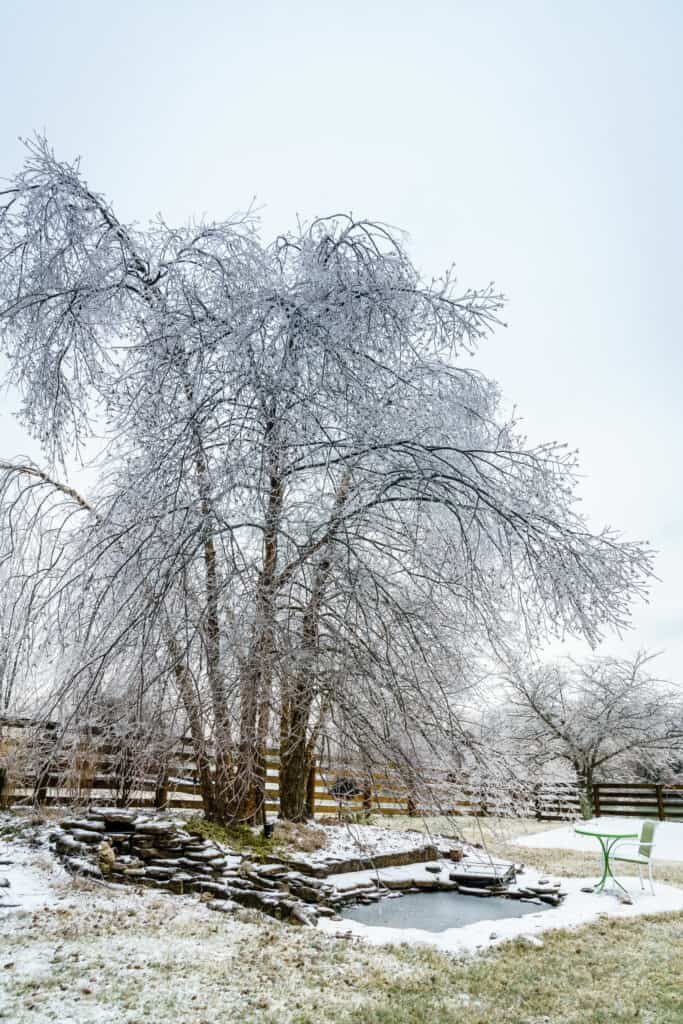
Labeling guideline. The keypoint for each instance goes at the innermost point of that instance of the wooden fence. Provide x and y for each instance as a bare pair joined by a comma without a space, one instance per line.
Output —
97,771
639,800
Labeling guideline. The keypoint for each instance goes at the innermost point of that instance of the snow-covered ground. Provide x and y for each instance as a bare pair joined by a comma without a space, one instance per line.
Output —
668,841
35,878
577,909
347,841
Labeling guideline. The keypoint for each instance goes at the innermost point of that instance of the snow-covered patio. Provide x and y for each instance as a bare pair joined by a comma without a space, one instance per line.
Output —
668,842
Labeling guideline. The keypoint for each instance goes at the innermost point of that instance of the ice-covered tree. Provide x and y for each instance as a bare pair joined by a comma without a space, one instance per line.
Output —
304,489
594,715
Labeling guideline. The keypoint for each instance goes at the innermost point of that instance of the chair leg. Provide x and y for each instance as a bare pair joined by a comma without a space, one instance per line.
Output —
640,876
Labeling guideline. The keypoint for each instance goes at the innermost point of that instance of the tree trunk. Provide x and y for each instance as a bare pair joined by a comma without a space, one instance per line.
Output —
297,748
295,756
584,775
248,791
297,700
211,800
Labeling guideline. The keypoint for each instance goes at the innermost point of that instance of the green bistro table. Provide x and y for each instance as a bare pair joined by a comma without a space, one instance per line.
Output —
607,836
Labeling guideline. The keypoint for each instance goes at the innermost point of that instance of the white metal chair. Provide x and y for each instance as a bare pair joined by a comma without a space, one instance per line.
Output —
638,851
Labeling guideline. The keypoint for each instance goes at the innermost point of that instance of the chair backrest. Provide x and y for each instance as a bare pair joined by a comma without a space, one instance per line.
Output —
646,838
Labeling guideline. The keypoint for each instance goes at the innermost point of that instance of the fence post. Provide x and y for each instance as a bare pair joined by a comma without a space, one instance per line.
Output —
411,802
660,803
596,799
40,788
310,788
123,780
161,790
367,795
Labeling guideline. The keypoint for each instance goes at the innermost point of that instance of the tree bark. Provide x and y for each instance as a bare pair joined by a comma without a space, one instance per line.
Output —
248,788
297,748
584,775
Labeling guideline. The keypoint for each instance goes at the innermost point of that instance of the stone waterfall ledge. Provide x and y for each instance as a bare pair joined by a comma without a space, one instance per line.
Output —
334,866
155,851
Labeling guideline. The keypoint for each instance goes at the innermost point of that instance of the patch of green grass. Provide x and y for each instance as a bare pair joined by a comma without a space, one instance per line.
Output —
172,960
238,837
12,829
607,973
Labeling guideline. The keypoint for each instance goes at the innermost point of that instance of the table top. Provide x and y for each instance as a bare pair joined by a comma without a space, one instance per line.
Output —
603,833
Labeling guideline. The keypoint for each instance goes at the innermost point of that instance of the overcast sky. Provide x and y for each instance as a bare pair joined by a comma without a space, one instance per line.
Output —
535,144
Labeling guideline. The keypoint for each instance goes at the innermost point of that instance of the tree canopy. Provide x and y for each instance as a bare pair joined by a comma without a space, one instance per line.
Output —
310,512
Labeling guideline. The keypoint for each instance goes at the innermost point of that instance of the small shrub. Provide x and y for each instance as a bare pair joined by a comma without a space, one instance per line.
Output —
238,837
357,817
302,837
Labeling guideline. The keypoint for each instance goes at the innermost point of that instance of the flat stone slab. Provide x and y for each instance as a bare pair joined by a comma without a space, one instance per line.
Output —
481,873
82,835
89,824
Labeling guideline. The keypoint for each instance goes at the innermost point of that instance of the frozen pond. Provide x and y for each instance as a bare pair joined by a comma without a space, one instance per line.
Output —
437,911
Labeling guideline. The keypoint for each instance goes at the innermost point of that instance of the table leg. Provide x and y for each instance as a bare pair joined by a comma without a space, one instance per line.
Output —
606,845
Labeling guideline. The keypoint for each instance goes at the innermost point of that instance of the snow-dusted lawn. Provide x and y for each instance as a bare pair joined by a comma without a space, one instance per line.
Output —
668,842
82,952
87,953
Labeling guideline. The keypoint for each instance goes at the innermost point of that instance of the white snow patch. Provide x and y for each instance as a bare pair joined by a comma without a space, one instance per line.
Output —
668,839
346,841
34,881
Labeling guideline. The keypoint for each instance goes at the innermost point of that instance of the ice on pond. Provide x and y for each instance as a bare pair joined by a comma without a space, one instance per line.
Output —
437,911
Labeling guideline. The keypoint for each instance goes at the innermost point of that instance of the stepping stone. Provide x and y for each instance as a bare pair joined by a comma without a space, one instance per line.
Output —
154,828
82,835
226,906
398,883
88,824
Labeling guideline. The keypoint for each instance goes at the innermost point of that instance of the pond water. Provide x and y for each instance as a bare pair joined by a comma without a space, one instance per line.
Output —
437,911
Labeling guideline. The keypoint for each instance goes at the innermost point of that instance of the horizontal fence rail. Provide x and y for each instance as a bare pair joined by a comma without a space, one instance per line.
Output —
639,800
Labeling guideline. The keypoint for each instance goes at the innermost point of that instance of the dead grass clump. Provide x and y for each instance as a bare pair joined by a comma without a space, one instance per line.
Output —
306,838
